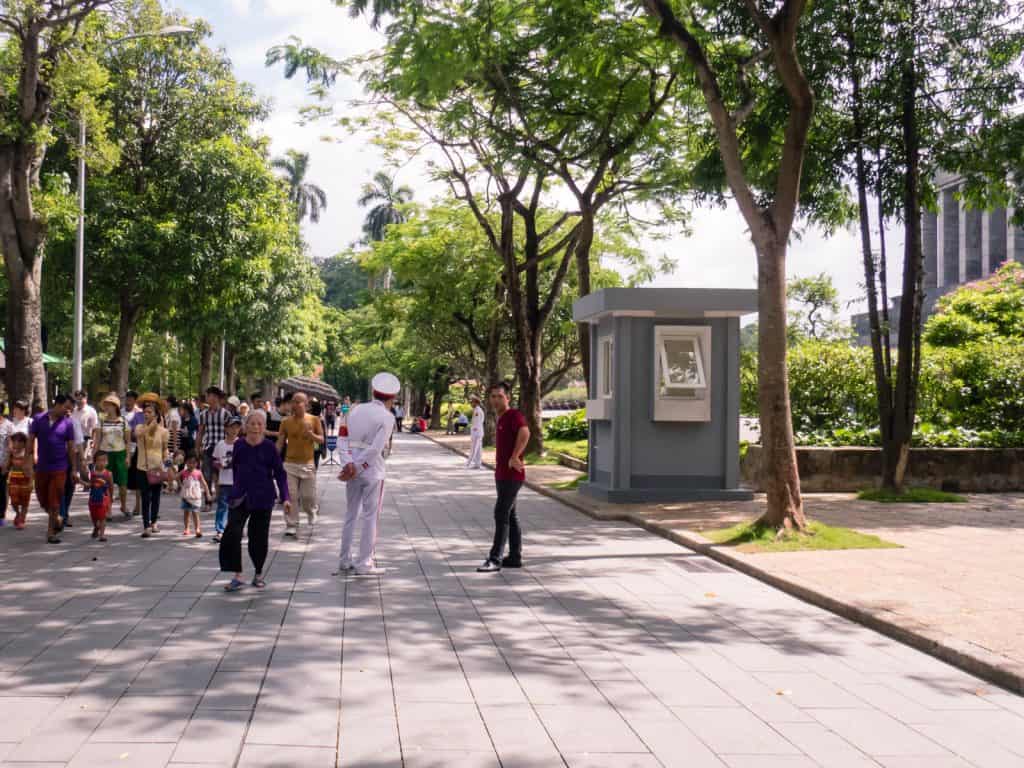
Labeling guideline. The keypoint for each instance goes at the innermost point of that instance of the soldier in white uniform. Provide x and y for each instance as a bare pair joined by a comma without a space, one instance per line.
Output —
476,435
362,442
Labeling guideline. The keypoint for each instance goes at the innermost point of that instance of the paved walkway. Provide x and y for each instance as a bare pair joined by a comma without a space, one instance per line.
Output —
612,648
955,581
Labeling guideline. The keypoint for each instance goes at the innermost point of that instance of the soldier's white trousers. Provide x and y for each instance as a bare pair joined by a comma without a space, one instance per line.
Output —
476,448
365,498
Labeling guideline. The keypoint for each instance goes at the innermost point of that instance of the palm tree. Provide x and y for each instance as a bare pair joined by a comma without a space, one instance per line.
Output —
309,200
375,8
388,198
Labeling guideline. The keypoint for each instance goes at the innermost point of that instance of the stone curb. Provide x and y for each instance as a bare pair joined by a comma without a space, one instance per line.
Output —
949,650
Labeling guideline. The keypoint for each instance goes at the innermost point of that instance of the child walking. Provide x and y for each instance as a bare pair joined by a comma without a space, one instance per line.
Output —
225,477
193,491
19,482
101,495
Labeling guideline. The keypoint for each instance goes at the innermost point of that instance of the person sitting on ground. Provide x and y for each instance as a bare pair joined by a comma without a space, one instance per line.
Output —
461,422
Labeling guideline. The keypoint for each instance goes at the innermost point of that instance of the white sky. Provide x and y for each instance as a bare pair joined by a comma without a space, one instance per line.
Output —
718,254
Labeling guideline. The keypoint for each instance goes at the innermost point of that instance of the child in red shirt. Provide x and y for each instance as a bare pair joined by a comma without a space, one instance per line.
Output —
101,495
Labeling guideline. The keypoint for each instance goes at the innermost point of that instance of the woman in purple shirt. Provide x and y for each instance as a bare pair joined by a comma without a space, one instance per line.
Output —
257,468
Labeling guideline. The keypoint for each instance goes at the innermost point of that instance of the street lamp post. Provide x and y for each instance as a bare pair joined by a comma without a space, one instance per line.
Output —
76,372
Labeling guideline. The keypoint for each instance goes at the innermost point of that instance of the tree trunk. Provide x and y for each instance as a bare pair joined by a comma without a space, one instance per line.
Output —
530,405
492,372
908,358
22,241
120,362
779,468
205,362
230,374
883,373
26,378
437,399
583,245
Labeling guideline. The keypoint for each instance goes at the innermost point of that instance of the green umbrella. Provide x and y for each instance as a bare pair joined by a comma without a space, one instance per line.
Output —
47,359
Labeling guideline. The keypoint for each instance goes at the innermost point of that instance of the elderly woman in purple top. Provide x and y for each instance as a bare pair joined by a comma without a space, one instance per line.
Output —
257,469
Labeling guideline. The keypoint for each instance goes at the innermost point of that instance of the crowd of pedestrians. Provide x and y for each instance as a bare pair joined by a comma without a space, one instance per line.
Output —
240,458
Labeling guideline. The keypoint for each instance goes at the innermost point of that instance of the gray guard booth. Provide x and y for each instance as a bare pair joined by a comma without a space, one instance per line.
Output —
665,389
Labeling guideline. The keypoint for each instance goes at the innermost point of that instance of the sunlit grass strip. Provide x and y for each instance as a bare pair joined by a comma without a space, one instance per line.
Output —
750,537
910,496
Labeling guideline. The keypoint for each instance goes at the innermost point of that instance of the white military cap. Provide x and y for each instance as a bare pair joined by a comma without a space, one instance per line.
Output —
386,384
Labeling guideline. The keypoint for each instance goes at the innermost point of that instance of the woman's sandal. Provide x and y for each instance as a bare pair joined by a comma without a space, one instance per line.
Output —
234,585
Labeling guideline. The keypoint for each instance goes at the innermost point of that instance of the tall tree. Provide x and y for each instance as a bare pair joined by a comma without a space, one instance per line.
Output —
309,199
929,84
38,38
385,201
721,46
169,99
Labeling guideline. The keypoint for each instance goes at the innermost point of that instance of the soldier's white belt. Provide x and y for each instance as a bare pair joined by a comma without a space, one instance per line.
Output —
358,444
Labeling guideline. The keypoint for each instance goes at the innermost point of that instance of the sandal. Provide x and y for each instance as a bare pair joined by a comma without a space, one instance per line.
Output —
258,582
234,585
103,538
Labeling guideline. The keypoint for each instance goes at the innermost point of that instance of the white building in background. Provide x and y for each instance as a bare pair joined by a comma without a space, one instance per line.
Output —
960,245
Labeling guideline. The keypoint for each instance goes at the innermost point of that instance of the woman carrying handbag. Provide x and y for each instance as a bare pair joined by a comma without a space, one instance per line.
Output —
151,438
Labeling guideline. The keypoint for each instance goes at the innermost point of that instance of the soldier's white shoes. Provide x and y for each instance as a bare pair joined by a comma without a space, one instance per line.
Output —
373,570
293,532
489,566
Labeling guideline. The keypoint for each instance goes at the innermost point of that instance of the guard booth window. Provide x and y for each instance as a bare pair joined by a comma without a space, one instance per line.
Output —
606,353
681,381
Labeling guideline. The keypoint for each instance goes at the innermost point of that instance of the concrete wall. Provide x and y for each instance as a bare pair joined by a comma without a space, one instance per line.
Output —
967,470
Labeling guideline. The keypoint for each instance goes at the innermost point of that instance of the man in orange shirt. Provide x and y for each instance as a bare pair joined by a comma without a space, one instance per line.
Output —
299,437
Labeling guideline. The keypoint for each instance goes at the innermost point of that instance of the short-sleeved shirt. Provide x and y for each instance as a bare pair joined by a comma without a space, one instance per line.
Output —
214,423
300,447
52,440
86,418
505,443
6,430
223,453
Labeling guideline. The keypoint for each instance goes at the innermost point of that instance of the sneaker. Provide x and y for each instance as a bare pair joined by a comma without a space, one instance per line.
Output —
155,528
489,566
52,540
146,533
373,570
216,538
291,532
103,538
508,562
68,523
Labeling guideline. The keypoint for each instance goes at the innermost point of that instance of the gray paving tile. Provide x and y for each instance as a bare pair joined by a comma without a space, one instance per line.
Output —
123,755
295,721
212,737
146,719
263,756
435,726
877,734
589,728
734,731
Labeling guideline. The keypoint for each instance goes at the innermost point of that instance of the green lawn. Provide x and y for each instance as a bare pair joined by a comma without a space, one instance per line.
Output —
575,448
568,485
911,496
747,537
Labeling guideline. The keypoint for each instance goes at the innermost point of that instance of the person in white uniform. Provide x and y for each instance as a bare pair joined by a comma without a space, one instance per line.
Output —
476,435
362,442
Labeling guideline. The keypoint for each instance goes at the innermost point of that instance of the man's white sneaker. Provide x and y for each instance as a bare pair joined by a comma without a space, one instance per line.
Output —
291,532
489,566
373,570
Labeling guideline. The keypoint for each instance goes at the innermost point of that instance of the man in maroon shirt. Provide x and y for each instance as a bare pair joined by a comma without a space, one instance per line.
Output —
509,474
